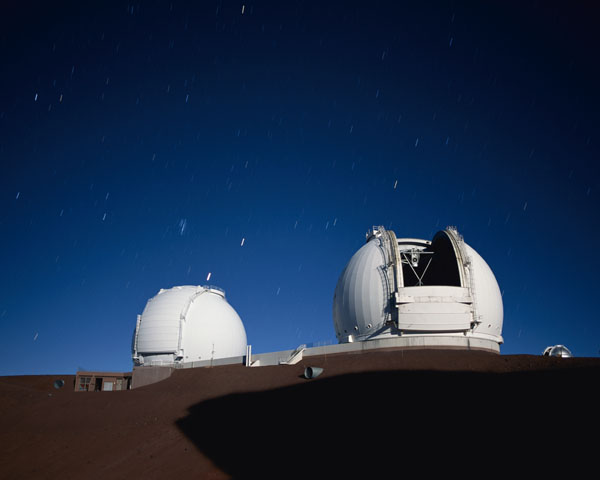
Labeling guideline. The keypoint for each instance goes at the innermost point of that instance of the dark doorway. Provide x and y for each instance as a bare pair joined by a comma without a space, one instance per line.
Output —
98,386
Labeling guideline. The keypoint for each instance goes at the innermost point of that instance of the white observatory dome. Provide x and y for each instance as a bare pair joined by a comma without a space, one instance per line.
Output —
187,324
419,289
558,351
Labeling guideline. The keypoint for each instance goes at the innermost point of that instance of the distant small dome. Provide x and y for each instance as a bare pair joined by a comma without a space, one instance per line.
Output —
187,324
558,351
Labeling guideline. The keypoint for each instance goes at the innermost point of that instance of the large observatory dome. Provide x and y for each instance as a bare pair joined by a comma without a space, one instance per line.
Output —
432,293
186,324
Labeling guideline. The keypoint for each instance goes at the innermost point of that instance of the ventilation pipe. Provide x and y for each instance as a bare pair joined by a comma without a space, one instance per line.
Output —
312,372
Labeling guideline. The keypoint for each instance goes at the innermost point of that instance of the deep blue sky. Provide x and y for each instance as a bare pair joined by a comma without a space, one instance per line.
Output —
141,142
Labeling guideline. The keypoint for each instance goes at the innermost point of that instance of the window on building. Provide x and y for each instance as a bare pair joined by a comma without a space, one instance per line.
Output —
84,383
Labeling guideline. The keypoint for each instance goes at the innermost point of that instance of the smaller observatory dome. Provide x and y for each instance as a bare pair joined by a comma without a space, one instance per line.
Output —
187,324
558,351
437,292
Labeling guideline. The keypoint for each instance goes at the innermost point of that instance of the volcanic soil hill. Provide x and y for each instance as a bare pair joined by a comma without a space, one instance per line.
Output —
374,414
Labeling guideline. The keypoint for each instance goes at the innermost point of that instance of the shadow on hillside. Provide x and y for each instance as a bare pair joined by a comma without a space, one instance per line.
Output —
378,421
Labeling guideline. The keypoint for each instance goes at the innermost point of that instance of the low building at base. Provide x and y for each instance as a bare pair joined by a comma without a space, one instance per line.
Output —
102,381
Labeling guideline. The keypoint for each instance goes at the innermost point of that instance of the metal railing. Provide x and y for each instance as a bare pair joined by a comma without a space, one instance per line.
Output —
214,287
321,343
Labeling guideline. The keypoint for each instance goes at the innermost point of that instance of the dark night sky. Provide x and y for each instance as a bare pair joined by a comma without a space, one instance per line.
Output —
140,143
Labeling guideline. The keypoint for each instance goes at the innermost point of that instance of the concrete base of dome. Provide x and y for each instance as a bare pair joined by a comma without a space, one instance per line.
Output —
153,373
461,342
439,341
413,341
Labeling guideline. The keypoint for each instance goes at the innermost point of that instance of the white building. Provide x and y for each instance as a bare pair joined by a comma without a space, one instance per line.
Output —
187,324
437,293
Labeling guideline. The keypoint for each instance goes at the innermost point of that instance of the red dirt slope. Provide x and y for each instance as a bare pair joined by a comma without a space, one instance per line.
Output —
375,413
